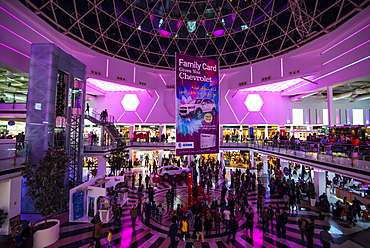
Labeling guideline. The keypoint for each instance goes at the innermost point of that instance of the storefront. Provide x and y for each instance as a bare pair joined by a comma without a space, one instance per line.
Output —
236,158
13,130
89,164
124,130
234,133
153,132
170,131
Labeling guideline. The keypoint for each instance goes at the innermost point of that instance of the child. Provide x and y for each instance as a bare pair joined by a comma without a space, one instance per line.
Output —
109,238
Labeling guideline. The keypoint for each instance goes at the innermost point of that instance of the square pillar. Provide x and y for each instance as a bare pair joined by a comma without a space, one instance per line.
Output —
331,108
319,182
102,166
132,132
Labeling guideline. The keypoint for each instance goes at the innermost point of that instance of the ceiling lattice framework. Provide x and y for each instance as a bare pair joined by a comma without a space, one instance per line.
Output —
235,32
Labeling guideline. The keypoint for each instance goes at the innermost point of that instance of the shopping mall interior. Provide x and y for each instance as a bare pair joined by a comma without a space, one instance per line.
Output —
286,110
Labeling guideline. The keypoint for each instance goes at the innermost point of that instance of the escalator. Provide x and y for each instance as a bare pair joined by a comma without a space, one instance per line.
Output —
108,123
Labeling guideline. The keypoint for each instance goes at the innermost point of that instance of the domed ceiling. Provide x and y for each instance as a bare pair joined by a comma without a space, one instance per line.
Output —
236,32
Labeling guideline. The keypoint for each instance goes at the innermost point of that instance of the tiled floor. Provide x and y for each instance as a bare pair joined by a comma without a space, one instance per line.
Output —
80,235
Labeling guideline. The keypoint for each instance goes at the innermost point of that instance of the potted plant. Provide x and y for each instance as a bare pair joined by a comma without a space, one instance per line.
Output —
45,182
312,193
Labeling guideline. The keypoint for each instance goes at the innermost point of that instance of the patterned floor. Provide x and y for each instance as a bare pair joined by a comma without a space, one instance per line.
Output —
79,235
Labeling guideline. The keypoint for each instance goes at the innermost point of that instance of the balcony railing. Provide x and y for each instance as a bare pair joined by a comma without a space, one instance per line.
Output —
340,154
13,154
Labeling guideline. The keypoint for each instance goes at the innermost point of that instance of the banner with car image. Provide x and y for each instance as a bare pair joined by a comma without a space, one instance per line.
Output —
197,105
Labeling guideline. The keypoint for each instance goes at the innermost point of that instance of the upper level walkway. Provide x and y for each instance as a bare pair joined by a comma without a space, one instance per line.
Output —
347,160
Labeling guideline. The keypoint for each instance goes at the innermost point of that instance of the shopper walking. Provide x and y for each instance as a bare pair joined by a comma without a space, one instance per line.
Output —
310,231
184,227
250,221
109,237
284,221
198,227
326,238
226,214
148,211
97,233
265,220
133,176
147,179
279,223
233,227
302,224
286,200
217,220
271,213
160,211
172,234
140,179
133,214
169,200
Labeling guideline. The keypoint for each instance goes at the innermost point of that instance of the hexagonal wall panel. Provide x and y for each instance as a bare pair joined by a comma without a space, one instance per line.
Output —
130,102
253,102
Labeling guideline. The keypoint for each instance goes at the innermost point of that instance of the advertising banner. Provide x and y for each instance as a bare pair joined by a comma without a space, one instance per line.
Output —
78,205
197,105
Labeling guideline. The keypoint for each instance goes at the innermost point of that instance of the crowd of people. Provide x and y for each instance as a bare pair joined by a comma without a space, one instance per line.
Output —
220,198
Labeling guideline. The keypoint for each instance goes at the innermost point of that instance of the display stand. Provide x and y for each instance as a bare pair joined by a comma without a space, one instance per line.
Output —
91,198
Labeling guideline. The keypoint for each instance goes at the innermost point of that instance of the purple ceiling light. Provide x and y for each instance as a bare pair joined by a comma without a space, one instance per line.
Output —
109,86
219,32
275,87
164,33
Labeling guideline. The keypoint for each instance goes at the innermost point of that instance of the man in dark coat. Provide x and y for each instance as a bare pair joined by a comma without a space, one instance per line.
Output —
147,179
233,227
284,221
250,221
310,232
279,222
303,224
172,234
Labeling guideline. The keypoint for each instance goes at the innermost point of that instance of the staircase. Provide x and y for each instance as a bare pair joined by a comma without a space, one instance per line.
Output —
108,125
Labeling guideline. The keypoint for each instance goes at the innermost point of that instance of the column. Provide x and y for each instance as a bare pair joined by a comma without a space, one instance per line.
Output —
331,108
132,126
160,132
264,165
131,156
160,157
102,165
240,133
319,182
251,158
266,132
221,133
102,137
164,131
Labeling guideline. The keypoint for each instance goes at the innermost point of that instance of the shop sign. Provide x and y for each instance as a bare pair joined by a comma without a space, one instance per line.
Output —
197,105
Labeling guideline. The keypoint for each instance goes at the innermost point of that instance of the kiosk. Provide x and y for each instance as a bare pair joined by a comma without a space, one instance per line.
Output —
96,196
